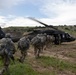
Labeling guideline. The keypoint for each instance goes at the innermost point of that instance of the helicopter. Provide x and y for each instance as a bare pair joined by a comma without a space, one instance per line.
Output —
2,34
60,36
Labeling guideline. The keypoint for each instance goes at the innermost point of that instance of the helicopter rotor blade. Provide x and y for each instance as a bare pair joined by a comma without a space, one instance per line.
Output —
42,23
38,21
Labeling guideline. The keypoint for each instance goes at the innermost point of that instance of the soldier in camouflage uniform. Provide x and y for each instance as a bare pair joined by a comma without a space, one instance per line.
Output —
7,49
23,46
40,42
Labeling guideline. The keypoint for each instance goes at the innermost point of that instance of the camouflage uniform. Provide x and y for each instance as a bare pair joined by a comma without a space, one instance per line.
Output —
23,45
38,42
7,49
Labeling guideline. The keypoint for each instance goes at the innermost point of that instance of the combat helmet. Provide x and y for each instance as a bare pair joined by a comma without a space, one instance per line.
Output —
8,35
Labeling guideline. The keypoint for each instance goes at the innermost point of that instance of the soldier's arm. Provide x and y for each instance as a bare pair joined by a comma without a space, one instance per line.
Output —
13,47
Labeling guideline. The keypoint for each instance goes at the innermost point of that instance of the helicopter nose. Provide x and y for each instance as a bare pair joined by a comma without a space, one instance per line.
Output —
73,39
70,39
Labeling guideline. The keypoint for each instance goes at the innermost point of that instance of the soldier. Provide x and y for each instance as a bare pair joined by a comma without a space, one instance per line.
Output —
7,49
39,42
57,39
23,45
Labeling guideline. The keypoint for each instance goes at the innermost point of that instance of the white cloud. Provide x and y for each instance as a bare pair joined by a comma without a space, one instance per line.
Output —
22,21
2,21
9,3
60,11
17,21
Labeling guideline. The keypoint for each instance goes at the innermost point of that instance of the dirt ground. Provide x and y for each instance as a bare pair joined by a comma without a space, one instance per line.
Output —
65,51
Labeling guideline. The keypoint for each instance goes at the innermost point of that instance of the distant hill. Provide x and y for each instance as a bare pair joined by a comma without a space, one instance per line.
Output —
18,31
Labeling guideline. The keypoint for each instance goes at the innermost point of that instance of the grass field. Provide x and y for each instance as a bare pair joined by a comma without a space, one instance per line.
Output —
55,60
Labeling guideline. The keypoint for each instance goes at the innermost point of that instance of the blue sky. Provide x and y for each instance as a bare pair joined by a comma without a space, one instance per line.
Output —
55,12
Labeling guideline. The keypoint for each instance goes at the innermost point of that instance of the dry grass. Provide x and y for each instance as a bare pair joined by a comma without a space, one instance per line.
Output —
55,60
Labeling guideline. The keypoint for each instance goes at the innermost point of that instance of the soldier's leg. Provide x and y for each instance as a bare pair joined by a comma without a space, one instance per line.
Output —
6,65
6,62
39,50
35,51
2,70
20,60
24,53
12,57
42,48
